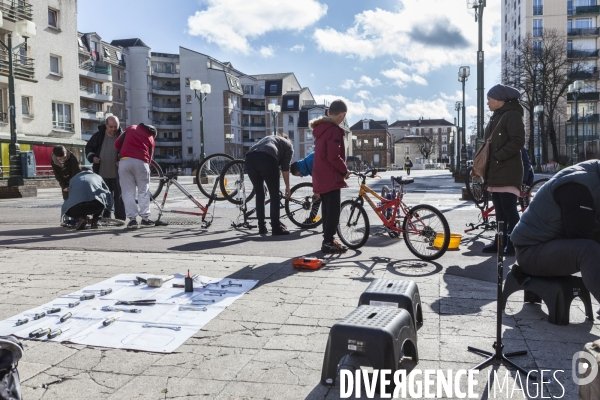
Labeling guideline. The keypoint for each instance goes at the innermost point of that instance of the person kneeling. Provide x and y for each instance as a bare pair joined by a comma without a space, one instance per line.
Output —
88,195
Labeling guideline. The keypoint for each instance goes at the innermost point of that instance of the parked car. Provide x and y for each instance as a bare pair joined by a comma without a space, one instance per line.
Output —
396,167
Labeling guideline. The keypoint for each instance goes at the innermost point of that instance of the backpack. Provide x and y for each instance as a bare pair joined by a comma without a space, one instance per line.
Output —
11,351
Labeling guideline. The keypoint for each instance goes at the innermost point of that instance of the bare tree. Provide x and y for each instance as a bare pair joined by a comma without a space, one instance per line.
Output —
426,145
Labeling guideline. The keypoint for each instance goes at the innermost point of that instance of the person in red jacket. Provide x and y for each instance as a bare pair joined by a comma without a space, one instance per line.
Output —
136,147
330,171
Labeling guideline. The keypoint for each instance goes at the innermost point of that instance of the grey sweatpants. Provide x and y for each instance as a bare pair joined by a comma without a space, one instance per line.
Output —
563,257
135,173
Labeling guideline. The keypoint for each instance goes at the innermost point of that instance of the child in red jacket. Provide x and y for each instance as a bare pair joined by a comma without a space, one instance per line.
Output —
330,171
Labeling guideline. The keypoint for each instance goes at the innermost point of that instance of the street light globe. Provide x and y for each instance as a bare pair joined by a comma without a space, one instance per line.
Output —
25,29
205,88
99,114
195,84
578,85
271,107
538,109
464,71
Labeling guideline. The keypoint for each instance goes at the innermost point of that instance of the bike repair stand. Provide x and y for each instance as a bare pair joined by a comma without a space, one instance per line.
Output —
498,346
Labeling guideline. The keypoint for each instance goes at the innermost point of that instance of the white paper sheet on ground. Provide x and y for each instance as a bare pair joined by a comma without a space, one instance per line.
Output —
127,332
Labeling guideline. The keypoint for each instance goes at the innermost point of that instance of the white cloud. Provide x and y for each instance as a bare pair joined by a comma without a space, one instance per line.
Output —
370,82
363,94
349,84
401,78
231,24
415,108
267,51
299,48
363,81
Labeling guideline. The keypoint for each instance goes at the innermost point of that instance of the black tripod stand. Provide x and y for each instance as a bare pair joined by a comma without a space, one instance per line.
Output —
498,346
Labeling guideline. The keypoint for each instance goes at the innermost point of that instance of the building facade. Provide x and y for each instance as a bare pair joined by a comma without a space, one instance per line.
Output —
371,144
438,130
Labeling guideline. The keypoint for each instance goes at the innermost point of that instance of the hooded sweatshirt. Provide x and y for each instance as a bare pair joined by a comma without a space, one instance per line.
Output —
329,166
137,142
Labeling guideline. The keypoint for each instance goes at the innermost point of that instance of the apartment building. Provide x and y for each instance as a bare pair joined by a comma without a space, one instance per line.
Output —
579,21
46,89
308,113
371,143
438,130
101,82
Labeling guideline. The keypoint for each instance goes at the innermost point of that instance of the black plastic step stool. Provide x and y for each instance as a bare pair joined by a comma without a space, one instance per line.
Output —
556,292
395,293
380,334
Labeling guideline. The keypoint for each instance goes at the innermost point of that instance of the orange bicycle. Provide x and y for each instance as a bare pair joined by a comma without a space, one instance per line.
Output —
420,226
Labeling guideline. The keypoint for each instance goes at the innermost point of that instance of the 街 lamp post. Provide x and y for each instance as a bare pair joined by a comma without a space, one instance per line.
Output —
201,90
457,107
478,6
539,111
26,29
275,109
575,90
463,76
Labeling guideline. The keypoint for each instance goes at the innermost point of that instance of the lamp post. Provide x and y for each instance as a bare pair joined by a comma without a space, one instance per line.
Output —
201,90
457,107
25,29
575,90
463,76
275,109
539,111
478,6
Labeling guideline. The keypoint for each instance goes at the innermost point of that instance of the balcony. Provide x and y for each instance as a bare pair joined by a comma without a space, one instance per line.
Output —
168,142
583,32
97,72
22,66
164,124
93,94
587,10
167,107
88,113
583,119
166,89
253,110
254,94
254,124
584,96
63,126
165,73
593,74
582,53
16,10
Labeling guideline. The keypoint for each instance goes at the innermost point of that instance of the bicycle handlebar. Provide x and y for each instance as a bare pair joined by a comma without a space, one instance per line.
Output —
370,173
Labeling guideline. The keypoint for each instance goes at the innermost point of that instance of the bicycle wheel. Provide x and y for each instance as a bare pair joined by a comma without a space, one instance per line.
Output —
156,179
353,228
421,226
385,191
533,189
475,187
300,207
208,171
233,181
110,223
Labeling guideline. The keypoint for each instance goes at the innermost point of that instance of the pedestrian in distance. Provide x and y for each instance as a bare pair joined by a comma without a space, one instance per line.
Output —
136,148
89,195
101,152
330,170
504,172
408,165
65,166
263,162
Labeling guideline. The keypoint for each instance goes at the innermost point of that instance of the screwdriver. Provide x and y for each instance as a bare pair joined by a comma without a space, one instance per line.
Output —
43,332
103,292
39,315
66,317
22,321
88,296
34,332
57,332
132,310
71,305
53,310
110,320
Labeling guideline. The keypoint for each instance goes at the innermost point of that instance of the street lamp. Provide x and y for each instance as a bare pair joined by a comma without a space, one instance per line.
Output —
539,110
26,29
457,107
575,90
275,110
463,76
201,90
478,6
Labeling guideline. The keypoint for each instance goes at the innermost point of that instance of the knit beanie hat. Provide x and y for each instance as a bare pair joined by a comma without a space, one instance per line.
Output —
504,93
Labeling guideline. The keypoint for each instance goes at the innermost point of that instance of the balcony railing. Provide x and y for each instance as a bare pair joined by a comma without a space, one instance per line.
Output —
107,90
587,10
165,122
582,53
584,119
16,10
163,139
164,70
65,126
259,124
255,92
583,32
253,108
583,75
584,96
97,69
171,88
22,66
167,105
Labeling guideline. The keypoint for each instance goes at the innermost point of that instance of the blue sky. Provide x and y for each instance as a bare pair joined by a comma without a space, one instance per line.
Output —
388,59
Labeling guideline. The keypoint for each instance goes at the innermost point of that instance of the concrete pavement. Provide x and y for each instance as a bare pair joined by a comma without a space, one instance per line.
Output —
269,343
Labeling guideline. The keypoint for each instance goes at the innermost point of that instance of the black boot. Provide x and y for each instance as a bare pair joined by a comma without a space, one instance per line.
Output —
491,248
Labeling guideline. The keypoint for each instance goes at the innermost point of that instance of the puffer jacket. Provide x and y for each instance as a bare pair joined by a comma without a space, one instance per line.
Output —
88,186
329,165
505,167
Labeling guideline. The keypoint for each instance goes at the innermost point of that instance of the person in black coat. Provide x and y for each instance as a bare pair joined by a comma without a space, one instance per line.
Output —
101,152
65,166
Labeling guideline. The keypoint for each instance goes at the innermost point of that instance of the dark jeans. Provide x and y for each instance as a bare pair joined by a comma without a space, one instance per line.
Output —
115,190
506,210
563,257
331,214
264,169
82,210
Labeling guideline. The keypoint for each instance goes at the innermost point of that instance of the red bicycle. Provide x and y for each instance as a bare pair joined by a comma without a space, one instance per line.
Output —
481,198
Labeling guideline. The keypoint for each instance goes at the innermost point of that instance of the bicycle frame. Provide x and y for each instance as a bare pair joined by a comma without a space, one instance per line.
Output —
487,212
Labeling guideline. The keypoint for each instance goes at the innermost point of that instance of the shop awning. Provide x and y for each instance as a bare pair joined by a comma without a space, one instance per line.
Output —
44,140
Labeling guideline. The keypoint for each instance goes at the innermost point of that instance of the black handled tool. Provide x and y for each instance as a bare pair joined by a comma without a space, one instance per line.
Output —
43,332
110,320
147,302
66,317
87,296
22,321
57,332
34,332
39,315
53,310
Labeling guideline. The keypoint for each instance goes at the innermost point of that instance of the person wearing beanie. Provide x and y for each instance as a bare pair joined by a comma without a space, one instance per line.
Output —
504,172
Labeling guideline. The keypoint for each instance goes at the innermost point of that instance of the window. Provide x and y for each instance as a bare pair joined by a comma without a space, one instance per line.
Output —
309,135
125,76
187,82
188,116
119,75
94,46
291,135
290,103
538,27
106,53
375,142
120,113
189,134
444,149
149,79
376,159
273,88
120,95
190,151
150,97
290,120
23,55
538,7
80,43
118,53
26,106
150,115
406,149
55,65
188,98
52,18
365,124
61,116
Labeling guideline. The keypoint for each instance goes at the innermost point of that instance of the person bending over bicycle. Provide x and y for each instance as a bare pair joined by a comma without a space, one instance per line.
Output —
88,195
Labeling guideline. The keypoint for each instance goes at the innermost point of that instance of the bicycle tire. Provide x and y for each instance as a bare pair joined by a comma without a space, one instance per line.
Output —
156,179
110,222
535,186
230,182
353,228
427,221
300,208
210,169
475,187
385,191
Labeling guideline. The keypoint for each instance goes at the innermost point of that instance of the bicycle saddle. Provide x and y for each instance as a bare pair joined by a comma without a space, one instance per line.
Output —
402,181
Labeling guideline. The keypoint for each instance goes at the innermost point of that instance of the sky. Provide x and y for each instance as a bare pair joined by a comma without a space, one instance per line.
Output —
388,59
